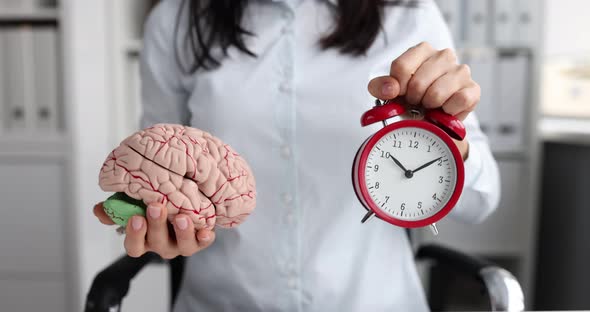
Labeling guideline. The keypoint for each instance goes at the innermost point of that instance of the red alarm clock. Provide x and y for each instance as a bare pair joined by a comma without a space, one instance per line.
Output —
410,173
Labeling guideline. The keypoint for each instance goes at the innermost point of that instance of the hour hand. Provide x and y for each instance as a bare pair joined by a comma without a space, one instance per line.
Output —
408,173
398,163
426,165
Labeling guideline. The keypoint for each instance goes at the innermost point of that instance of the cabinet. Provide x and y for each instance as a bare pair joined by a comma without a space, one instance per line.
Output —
35,263
503,46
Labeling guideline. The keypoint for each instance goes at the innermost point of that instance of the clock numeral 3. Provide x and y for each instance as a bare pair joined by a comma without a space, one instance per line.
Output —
440,179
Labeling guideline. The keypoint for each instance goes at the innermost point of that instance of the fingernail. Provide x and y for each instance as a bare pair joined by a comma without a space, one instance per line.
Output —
387,88
206,237
136,223
154,212
181,223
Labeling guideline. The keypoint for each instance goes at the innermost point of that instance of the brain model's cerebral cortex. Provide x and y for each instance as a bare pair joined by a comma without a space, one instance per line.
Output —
188,170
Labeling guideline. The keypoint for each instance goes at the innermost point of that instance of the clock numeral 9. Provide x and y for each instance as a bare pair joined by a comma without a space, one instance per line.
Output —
376,185
413,144
385,154
440,179
403,206
376,168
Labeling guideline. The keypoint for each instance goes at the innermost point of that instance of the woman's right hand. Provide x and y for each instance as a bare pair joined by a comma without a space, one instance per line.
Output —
153,234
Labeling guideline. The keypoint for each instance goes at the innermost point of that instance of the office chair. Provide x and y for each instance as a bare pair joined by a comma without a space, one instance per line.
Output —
111,285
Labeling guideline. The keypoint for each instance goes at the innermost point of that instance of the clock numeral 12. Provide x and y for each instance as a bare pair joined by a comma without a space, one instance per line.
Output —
413,144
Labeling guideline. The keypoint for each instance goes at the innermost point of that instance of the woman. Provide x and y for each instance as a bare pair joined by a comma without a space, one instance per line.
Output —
283,82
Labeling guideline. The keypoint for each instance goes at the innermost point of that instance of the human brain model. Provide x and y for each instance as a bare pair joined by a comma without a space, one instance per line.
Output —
186,169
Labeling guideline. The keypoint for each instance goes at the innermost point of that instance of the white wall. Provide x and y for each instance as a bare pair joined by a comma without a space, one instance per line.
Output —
87,98
566,27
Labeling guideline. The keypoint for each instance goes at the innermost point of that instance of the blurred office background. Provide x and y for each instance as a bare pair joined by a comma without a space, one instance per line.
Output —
69,94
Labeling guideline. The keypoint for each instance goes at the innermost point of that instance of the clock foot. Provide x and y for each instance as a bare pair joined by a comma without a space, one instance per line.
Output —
368,216
434,229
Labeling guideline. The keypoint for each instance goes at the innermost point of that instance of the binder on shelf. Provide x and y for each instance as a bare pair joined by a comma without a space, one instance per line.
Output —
483,63
527,14
477,22
504,22
452,13
512,101
46,96
27,5
18,61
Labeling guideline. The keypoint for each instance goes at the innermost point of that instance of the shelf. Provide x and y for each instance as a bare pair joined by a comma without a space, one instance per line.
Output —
23,15
565,130
49,145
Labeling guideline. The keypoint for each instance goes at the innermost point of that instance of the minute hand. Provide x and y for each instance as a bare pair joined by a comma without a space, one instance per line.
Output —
426,165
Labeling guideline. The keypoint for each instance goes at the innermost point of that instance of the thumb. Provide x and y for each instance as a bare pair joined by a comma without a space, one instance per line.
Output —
384,87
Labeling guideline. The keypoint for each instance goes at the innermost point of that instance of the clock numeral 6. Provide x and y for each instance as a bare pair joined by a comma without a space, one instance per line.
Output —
403,206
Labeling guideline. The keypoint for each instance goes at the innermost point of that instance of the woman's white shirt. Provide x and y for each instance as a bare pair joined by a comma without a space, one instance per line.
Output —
293,113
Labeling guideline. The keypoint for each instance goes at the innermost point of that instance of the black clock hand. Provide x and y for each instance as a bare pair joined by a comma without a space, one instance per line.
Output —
426,165
407,172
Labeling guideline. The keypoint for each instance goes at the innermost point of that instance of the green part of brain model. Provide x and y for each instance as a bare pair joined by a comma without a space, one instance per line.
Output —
120,207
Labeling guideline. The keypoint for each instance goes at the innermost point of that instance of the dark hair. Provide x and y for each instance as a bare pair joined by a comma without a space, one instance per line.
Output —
219,22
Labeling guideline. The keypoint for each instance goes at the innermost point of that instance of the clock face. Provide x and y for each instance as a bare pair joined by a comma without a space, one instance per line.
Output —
410,174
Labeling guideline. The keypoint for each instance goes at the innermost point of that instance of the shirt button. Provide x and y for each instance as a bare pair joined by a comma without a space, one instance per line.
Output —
290,217
292,283
285,152
286,30
285,87
287,198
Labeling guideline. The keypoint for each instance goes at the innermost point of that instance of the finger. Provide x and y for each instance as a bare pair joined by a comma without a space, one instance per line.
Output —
436,66
185,235
406,64
102,215
384,87
447,85
463,101
135,236
158,237
205,237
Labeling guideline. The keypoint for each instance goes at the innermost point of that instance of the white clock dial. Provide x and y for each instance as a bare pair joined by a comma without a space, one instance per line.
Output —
410,174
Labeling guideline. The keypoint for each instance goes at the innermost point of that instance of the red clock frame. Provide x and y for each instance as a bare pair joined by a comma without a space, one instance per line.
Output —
360,161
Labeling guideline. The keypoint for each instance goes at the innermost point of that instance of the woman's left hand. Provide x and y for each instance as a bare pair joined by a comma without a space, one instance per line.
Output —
432,78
